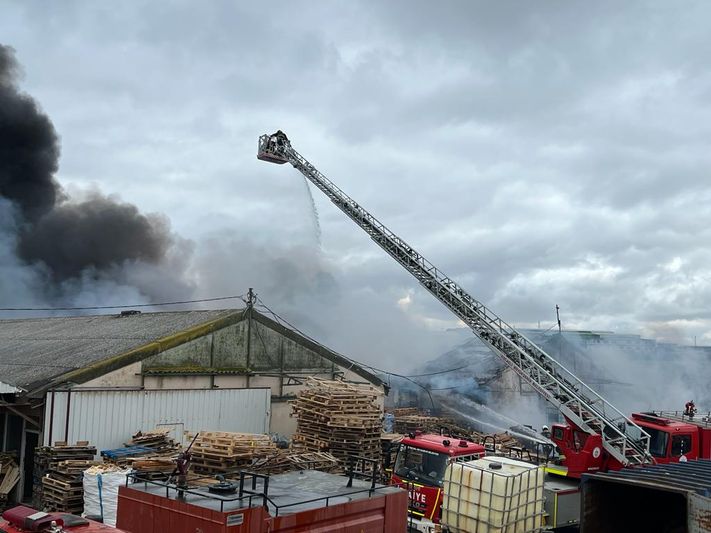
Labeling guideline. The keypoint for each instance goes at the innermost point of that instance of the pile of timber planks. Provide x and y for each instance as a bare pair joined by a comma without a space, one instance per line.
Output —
341,418
9,476
217,452
60,469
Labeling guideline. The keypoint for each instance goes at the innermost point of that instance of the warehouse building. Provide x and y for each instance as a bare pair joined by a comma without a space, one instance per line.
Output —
102,377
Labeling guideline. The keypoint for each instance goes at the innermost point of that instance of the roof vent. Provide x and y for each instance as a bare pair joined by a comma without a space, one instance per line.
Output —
129,312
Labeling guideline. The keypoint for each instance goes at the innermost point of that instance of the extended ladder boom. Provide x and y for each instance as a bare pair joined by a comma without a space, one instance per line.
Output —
582,406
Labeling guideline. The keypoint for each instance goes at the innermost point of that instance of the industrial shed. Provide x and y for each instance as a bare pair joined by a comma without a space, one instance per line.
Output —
45,362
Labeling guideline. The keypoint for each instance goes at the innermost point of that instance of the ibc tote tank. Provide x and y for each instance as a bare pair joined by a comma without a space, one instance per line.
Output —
493,495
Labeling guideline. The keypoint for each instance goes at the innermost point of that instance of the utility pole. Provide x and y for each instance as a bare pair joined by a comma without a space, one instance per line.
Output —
250,308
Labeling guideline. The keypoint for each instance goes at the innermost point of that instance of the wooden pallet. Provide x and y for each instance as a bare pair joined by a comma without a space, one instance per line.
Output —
60,469
341,418
218,451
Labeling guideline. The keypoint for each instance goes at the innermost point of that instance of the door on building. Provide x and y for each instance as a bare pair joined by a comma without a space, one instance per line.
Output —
31,442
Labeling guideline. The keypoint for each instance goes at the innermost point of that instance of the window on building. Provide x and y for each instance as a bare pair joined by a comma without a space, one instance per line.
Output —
13,438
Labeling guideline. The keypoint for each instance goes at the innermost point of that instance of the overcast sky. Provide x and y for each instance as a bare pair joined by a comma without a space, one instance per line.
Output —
540,153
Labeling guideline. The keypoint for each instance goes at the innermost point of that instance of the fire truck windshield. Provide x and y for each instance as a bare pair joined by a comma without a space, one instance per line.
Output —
658,442
425,466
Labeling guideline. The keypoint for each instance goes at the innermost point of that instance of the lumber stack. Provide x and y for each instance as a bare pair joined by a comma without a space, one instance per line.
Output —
217,452
9,476
341,418
60,469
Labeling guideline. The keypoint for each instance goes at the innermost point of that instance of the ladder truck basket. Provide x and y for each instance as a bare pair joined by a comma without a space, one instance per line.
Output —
272,148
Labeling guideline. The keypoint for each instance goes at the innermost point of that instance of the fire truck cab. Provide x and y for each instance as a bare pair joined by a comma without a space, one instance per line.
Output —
419,468
673,438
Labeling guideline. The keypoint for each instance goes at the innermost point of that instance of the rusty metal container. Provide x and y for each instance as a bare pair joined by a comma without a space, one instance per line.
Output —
286,503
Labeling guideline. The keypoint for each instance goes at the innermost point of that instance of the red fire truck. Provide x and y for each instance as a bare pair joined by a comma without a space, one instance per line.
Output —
22,519
673,437
419,467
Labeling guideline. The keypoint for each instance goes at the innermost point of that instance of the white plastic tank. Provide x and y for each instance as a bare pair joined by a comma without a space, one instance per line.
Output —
493,495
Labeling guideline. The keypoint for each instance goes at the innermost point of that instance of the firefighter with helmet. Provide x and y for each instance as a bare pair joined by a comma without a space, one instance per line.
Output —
690,409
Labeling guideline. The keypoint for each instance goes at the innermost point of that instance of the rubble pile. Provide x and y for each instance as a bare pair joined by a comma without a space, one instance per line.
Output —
152,453
341,418
158,440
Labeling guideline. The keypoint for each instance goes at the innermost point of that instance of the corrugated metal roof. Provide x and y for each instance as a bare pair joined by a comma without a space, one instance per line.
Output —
7,389
35,350
690,476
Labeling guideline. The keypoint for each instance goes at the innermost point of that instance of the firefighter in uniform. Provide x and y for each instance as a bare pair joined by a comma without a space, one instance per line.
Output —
690,409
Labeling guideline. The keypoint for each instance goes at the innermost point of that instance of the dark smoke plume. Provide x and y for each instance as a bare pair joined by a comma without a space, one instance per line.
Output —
67,240
29,148
98,233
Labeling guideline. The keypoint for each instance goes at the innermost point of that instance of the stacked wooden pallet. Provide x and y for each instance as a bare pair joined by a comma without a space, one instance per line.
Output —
61,468
290,461
340,418
410,423
218,452
158,468
404,411
9,476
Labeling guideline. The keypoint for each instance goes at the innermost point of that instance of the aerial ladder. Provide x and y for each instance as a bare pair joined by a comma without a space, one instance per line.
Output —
626,443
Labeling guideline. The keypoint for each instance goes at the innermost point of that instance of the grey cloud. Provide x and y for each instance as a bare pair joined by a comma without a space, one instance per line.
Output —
523,148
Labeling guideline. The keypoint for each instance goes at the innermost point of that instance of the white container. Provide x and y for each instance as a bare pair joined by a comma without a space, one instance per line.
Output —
493,495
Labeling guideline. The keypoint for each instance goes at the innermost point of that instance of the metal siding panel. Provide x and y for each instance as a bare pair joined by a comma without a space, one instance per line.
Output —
107,418
699,514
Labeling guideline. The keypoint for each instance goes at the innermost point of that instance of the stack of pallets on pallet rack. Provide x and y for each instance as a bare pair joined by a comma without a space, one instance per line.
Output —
60,468
341,418
9,476
217,452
